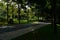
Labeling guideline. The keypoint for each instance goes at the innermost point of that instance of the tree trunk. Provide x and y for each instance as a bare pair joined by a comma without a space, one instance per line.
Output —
53,11
7,11
19,13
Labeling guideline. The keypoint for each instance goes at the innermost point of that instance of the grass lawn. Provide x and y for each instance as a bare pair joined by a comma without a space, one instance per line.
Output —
44,33
17,22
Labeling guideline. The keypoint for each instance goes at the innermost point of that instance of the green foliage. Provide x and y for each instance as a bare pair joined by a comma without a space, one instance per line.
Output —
29,9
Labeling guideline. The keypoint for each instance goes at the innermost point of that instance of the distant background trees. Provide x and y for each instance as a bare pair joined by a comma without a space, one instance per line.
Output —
26,11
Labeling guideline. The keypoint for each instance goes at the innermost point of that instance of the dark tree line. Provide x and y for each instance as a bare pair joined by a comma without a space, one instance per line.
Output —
52,12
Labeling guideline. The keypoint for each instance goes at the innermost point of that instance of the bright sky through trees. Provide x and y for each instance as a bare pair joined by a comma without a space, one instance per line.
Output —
27,7
0,0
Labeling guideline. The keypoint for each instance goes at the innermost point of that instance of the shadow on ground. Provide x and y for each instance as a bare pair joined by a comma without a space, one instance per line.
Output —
45,33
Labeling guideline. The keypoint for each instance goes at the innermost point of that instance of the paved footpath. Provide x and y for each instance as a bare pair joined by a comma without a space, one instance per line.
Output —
13,34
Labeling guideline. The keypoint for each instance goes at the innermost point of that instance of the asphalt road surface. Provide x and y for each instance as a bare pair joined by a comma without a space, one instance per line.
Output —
7,33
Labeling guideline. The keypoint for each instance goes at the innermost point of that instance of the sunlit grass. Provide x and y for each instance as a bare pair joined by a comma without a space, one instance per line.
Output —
35,22
23,21
58,24
15,21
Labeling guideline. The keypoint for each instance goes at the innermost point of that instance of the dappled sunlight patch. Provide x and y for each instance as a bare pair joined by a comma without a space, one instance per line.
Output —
35,22
58,24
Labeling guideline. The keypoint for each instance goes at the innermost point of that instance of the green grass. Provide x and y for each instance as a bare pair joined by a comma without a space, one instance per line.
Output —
44,33
23,21
16,22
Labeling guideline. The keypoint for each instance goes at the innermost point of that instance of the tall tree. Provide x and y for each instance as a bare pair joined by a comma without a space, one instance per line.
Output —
53,11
